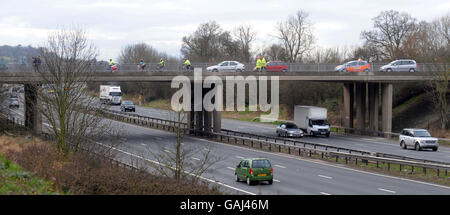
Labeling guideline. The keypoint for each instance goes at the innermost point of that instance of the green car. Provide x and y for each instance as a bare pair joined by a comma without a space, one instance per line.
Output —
254,169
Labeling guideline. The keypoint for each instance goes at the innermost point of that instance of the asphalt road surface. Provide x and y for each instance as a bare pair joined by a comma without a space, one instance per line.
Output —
373,144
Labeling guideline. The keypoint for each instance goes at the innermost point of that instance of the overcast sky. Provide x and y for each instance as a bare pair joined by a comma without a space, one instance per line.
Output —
113,24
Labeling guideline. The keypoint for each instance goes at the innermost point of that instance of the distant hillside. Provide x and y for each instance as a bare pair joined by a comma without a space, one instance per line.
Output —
17,54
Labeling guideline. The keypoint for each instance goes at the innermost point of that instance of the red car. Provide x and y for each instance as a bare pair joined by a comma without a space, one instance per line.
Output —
275,66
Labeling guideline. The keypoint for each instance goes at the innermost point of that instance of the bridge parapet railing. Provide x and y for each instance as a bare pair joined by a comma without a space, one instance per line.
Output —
178,67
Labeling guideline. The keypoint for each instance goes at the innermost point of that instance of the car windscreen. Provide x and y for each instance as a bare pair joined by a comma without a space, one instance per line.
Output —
422,134
261,164
115,93
320,122
291,126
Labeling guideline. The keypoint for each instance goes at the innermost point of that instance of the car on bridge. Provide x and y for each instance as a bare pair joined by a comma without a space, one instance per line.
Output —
354,66
400,66
289,130
227,66
254,170
275,66
417,138
127,106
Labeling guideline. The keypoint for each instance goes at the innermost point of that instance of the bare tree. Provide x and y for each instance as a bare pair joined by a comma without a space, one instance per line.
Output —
245,35
296,36
275,52
391,30
181,161
68,64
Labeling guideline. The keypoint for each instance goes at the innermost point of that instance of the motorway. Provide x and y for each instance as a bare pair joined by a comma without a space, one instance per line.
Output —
293,175
372,144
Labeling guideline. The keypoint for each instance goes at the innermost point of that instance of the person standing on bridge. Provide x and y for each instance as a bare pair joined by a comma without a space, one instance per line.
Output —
258,64
263,64
187,64
161,64
142,65
37,62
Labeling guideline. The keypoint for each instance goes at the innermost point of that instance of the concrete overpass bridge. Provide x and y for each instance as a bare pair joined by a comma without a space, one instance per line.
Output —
376,88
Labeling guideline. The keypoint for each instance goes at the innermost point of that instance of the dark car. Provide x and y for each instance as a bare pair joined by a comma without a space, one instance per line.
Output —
127,106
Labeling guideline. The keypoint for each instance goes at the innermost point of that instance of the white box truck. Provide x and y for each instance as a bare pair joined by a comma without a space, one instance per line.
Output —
110,94
312,120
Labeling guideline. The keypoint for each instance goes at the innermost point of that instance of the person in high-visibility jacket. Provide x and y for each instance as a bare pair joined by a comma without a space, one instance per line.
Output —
187,64
263,64
112,65
161,64
258,64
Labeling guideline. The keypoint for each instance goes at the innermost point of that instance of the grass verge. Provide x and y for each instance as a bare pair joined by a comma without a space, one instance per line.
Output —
14,180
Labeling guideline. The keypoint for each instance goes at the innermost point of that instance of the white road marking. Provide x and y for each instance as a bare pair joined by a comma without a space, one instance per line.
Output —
325,164
240,157
280,166
323,193
142,144
324,176
167,151
276,180
206,179
196,158
231,168
385,190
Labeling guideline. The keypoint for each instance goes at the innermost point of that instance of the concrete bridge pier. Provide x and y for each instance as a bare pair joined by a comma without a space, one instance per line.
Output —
386,107
203,121
33,117
358,96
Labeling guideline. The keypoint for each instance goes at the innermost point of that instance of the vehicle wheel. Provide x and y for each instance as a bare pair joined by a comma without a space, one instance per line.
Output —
270,181
249,182
311,134
412,70
366,70
278,134
327,135
403,145
239,70
285,134
284,70
417,147
237,178
435,149
388,70
344,70
215,70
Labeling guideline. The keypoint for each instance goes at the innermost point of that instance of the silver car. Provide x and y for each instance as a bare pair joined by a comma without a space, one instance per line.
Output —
400,66
289,130
227,66
417,138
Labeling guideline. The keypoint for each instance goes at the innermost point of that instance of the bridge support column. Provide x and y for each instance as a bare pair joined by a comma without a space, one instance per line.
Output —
348,105
386,108
373,106
217,124
361,106
33,117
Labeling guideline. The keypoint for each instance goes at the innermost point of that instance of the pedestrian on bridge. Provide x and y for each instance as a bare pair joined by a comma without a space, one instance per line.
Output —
37,62
187,64
258,64
263,64
161,64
